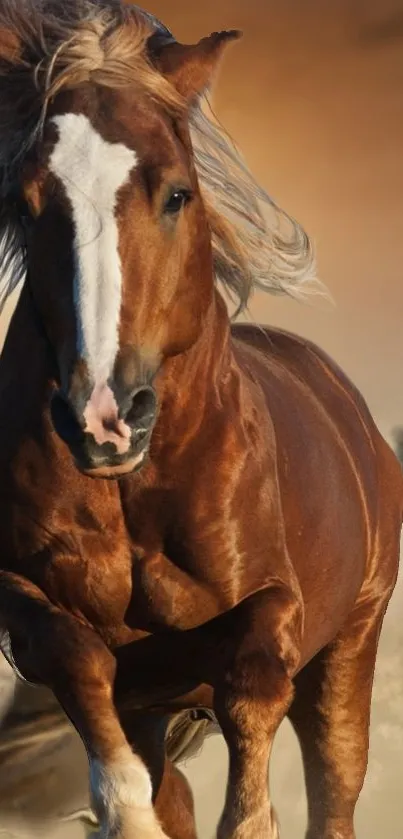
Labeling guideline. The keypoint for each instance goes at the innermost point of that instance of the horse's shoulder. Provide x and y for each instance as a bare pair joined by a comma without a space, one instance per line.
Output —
291,351
280,345
296,361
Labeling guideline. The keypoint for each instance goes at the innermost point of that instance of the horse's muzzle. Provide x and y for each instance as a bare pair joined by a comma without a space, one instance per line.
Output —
106,441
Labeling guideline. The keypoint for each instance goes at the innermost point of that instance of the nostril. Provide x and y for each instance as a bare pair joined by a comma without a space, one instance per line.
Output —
142,411
64,420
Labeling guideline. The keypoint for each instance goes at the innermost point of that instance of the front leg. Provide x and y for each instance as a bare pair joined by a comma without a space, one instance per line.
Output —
56,649
251,699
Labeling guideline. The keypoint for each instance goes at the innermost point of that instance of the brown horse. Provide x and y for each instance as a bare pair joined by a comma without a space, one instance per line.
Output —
245,562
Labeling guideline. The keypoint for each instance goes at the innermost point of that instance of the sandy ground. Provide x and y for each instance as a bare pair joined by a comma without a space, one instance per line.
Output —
314,96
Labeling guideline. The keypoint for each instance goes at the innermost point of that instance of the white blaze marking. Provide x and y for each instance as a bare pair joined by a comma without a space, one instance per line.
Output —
92,172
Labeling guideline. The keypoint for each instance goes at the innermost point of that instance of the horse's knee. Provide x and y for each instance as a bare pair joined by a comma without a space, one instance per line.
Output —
61,650
256,689
254,700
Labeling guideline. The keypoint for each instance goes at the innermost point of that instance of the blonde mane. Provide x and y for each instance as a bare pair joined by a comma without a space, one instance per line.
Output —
50,45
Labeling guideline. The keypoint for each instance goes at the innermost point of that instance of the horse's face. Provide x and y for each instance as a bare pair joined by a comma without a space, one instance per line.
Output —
120,264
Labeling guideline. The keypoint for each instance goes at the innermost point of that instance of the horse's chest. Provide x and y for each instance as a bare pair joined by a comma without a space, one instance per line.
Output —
82,562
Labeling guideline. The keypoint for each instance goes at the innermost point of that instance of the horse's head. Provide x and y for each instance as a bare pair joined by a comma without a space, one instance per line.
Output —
118,244
122,203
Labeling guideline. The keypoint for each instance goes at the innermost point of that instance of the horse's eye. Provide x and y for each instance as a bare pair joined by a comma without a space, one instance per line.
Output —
176,201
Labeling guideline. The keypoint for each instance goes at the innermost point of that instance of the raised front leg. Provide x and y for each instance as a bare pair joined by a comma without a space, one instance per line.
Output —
250,702
58,650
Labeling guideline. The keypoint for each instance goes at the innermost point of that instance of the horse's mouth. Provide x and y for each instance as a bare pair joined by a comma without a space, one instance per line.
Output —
105,460
112,471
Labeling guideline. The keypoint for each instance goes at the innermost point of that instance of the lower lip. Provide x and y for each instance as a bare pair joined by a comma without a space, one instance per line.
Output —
105,471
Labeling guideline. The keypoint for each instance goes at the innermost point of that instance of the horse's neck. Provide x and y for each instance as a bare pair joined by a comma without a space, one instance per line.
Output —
194,381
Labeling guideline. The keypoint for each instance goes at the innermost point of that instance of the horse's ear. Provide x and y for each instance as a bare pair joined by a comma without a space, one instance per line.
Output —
190,68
